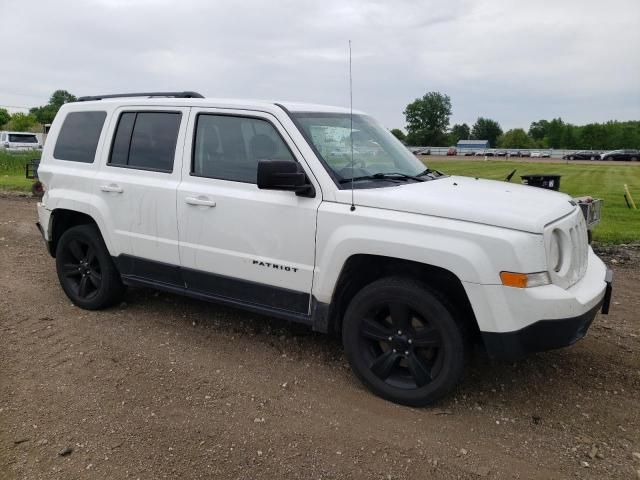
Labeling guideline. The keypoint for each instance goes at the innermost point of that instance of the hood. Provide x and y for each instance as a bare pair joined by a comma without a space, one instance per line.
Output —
490,202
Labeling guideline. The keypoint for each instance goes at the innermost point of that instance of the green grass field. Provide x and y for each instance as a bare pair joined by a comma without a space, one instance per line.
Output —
619,223
12,171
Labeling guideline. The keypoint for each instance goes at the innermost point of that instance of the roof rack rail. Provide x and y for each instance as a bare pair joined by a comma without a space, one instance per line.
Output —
142,94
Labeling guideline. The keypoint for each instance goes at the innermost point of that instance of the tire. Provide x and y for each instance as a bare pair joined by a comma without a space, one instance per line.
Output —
592,158
416,366
634,159
571,157
85,270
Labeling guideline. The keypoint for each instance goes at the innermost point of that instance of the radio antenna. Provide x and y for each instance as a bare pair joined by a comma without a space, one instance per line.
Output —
353,206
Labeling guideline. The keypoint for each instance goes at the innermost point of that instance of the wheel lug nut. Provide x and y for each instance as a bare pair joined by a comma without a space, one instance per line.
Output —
406,352
394,350
390,338
399,332
410,341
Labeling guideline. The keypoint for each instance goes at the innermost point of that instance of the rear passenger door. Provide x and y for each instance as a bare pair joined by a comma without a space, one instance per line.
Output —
137,183
238,242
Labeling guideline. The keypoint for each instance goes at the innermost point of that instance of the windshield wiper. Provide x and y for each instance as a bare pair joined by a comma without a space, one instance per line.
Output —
384,176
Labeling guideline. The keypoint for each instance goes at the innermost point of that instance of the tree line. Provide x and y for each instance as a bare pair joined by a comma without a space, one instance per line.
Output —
37,116
428,125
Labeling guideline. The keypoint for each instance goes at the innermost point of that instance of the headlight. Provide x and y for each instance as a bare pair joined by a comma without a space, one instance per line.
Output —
555,252
559,253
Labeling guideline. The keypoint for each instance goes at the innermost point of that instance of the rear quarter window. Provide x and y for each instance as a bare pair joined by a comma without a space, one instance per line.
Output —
78,137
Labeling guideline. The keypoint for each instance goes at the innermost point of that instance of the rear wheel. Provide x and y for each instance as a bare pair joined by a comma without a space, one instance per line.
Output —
85,269
634,159
571,157
402,341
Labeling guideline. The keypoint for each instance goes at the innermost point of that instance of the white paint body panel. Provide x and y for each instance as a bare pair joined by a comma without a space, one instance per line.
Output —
247,224
142,217
472,228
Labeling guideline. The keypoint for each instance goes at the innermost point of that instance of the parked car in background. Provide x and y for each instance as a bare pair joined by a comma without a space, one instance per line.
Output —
628,155
452,151
469,153
19,141
424,151
525,153
485,153
582,155
536,154
513,153
545,154
501,153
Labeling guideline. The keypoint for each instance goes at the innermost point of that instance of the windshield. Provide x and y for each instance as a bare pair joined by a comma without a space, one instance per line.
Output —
375,151
22,138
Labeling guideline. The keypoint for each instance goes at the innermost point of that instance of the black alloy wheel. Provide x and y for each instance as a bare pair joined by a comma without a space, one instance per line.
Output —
85,269
402,341
81,269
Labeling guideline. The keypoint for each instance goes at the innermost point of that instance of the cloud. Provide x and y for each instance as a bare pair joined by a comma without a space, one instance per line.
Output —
515,61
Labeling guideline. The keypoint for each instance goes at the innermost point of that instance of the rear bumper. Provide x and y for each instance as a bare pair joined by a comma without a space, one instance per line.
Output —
44,217
44,239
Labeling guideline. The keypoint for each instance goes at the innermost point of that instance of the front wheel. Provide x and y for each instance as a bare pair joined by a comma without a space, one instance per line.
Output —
85,269
403,342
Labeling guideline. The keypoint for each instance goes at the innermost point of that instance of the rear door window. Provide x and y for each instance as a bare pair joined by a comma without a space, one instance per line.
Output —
146,140
78,137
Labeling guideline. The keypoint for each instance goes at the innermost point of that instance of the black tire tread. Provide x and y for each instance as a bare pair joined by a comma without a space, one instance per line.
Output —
416,287
112,289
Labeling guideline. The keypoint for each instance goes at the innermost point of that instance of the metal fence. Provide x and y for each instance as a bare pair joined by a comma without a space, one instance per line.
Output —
553,153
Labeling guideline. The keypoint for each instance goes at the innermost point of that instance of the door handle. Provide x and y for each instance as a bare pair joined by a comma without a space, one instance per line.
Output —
111,188
199,201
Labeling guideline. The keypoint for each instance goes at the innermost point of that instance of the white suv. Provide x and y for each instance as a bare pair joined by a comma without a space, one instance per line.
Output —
261,206
19,141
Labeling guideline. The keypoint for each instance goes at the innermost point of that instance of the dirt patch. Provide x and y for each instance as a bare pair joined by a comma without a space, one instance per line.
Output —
166,387
622,254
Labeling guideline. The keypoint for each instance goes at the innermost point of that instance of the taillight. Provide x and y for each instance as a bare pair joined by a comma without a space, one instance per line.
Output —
38,189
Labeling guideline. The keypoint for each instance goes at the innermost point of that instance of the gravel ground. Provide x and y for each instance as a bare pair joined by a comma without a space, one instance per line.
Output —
167,387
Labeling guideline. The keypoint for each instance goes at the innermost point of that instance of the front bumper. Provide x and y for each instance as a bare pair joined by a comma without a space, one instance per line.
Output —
516,321
539,336
546,334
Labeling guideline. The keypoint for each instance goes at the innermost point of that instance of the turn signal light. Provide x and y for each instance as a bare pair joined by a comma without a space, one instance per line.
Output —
524,280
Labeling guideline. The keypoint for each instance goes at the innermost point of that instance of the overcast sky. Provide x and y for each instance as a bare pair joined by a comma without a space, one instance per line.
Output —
512,60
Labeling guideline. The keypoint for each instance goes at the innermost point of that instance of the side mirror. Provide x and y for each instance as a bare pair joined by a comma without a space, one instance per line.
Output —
284,175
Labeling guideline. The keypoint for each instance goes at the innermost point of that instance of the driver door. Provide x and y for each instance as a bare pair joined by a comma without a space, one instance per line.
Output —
237,242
